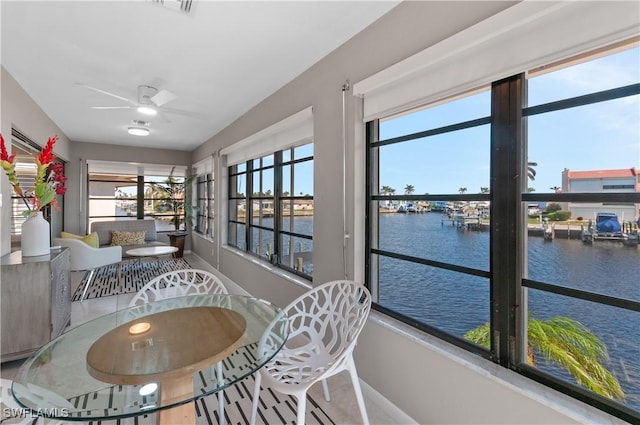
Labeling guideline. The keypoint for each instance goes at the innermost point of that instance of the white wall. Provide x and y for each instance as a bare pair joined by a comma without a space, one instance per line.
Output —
430,383
18,110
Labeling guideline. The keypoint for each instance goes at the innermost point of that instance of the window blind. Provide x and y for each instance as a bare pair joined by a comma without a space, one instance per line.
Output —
294,130
523,37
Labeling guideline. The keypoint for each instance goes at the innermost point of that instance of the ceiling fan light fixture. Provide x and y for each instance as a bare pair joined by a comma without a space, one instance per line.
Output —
147,110
138,131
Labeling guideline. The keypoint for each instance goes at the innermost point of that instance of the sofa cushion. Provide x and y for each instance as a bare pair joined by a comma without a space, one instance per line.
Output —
127,238
91,239
104,229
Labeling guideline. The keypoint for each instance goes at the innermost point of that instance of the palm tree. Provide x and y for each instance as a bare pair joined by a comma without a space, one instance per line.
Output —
569,344
173,192
462,190
386,190
484,189
409,189
531,172
554,188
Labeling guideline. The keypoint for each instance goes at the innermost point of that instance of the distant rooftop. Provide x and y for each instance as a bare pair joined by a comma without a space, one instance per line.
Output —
601,174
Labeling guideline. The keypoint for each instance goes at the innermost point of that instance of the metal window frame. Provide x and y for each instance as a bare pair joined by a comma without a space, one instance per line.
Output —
277,198
508,198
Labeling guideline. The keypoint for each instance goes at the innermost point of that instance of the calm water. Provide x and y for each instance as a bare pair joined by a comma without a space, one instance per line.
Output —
458,302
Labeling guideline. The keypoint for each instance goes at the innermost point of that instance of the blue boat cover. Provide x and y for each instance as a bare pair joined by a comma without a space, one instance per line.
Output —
607,223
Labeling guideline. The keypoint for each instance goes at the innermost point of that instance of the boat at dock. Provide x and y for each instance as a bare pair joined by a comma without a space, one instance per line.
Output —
608,228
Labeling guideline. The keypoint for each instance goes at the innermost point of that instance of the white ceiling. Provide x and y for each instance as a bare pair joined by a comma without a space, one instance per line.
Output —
220,60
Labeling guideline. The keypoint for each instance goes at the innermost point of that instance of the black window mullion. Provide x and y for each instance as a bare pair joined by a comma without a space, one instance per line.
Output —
140,200
248,215
506,188
277,208
371,214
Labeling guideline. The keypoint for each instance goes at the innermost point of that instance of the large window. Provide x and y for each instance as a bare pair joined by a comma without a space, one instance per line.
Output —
204,211
123,192
271,208
455,248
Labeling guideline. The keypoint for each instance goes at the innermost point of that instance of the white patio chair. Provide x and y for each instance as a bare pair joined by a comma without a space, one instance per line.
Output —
180,283
85,257
324,325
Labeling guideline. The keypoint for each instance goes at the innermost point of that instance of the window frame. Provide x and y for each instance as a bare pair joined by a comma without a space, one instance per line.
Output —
252,195
205,202
508,252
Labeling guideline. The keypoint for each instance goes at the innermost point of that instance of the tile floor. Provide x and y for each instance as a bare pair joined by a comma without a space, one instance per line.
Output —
342,408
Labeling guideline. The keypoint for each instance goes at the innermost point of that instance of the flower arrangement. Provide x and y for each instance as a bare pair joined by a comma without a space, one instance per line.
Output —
50,177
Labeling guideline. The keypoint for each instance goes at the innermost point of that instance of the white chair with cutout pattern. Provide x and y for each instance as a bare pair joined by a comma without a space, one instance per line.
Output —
324,325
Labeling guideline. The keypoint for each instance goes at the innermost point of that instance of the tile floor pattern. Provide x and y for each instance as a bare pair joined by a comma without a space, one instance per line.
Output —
342,408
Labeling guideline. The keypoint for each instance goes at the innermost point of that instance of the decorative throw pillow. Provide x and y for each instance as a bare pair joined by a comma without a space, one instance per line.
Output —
127,238
91,239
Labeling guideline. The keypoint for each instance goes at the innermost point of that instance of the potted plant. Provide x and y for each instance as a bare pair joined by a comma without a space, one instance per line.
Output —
174,192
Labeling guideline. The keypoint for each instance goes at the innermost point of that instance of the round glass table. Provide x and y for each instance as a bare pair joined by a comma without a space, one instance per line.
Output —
153,357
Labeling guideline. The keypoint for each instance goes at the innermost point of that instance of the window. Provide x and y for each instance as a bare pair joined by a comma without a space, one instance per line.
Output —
270,194
26,152
112,196
452,246
164,199
423,170
119,191
236,235
271,208
204,207
617,186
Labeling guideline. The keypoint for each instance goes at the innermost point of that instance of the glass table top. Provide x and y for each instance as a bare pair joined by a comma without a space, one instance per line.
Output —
122,364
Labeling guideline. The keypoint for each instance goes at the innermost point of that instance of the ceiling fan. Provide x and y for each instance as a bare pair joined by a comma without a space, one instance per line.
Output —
150,101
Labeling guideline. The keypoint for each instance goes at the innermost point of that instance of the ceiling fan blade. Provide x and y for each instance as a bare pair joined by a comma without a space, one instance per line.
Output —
163,119
162,97
182,112
111,107
107,93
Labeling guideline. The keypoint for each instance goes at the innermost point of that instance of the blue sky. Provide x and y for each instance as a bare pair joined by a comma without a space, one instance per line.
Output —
593,137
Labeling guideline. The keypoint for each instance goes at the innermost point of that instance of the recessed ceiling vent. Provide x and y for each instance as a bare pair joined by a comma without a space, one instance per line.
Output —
176,5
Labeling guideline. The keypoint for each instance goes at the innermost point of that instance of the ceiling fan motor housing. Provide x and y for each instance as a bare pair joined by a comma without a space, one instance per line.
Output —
145,93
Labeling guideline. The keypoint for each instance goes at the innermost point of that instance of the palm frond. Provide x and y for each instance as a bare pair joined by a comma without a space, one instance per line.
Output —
569,344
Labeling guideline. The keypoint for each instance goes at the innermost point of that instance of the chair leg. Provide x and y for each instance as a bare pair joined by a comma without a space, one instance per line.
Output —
220,379
325,389
256,398
86,286
356,388
302,407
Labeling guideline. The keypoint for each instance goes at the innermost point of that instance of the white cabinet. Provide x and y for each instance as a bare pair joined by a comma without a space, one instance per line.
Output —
35,301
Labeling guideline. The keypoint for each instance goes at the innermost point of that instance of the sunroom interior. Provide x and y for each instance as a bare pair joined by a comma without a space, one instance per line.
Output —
290,194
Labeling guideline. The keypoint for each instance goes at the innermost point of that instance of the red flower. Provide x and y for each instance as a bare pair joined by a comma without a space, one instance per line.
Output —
50,177
46,155
4,155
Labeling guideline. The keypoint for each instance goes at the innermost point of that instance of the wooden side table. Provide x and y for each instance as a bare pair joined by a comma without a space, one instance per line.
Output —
177,239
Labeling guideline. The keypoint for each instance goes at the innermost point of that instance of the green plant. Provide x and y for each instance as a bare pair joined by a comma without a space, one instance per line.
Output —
559,216
553,207
174,192
569,344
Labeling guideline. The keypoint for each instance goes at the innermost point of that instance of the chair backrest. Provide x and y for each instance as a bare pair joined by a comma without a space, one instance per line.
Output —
179,283
331,316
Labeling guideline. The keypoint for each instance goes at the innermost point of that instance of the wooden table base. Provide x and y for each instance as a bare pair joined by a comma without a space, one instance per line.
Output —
173,390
